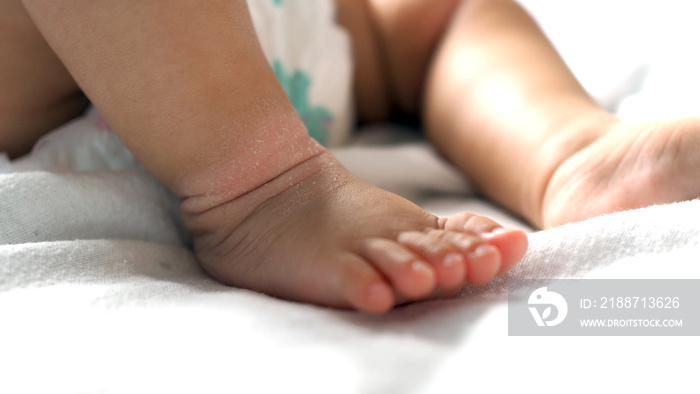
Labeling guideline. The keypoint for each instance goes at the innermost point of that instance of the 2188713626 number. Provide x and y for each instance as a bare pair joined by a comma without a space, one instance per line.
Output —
640,302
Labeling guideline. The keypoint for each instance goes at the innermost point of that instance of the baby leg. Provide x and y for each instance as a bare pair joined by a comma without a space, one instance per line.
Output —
37,94
186,87
501,104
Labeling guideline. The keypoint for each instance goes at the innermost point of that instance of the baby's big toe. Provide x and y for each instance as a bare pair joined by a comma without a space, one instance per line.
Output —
512,245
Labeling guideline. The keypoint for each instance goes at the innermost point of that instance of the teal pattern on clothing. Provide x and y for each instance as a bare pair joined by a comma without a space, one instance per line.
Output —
277,2
297,87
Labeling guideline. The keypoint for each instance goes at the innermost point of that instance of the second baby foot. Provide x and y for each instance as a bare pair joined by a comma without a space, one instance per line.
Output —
631,166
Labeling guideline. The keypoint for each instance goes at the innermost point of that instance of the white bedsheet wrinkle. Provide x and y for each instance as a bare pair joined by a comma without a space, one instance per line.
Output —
47,206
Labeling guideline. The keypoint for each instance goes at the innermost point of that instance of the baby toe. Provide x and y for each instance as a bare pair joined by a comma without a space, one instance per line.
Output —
484,263
471,223
446,259
408,273
361,286
512,244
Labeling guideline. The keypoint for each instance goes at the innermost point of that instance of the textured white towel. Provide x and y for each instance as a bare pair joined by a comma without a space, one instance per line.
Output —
99,293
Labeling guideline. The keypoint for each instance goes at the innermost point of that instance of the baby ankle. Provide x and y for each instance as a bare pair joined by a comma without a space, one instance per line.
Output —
239,176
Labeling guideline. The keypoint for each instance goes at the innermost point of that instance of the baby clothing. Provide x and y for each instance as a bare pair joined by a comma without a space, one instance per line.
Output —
312,58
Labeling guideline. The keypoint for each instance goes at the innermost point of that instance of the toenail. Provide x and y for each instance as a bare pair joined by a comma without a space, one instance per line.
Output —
422,268
482,250
452,259
494,232
377,292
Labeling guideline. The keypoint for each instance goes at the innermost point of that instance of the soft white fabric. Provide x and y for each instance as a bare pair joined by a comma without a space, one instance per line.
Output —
122,307
100,294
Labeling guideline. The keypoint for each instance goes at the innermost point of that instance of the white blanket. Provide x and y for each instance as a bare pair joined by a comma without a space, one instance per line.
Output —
100,294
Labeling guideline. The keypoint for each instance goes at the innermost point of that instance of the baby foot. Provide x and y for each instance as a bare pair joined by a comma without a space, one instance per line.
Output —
319,234
631,166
